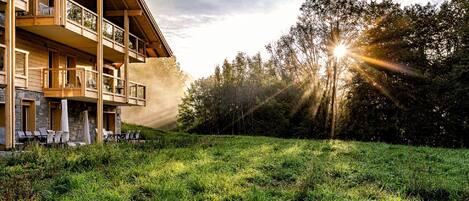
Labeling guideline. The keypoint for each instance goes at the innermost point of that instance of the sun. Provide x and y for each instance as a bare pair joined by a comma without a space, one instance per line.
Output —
340,51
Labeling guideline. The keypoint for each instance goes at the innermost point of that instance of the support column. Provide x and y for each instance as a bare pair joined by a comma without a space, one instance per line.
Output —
126,56
100,65
9,64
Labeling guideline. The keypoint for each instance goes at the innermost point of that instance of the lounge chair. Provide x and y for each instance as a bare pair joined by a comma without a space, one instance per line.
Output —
29,134
43,131
22,136
110,136
40,137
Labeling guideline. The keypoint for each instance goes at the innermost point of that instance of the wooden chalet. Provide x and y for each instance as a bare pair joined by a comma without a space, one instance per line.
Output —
78,50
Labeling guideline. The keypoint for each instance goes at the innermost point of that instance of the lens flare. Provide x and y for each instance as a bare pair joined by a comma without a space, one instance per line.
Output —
340,51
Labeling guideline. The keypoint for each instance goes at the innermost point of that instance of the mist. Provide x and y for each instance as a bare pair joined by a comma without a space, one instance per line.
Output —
165,88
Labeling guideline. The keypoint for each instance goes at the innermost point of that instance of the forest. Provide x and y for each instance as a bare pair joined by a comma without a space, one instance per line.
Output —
404,78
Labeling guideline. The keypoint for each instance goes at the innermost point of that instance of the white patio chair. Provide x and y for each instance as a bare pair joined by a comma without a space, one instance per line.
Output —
57,137
40,137
50,137
105,134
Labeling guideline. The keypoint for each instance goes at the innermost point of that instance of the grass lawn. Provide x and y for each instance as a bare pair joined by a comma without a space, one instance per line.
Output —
178,166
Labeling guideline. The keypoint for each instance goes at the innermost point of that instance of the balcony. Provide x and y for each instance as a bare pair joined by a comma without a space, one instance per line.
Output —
80,84
70,23
21,5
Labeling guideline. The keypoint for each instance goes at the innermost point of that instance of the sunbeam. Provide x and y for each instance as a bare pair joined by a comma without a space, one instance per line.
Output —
387,65
369,78
252,110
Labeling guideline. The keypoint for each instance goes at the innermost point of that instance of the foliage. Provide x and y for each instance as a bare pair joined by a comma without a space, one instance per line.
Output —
176,166
428,108
405,79
245,96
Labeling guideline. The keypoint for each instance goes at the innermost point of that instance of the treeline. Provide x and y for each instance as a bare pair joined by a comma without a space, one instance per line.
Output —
404,80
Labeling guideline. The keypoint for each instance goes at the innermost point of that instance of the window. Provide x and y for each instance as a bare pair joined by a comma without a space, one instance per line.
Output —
46,7
71,74
28,115
2,115
21,63
2,19
53,74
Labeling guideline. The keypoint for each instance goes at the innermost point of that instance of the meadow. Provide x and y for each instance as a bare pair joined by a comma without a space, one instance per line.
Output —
178,166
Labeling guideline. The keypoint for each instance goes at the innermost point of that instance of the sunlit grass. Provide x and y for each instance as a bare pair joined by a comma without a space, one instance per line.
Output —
180,166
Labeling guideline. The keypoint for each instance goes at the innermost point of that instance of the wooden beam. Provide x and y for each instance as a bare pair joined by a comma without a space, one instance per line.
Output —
9,63
126,55
100,66
120,13
160,49
151,52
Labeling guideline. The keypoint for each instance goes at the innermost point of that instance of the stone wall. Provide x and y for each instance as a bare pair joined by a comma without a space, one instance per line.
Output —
75,112
42,106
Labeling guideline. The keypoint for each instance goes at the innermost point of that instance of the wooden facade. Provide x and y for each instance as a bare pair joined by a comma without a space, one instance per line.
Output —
69,49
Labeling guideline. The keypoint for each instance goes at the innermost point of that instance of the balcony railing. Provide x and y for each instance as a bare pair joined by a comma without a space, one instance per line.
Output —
82,16
82,20
137,91
81,82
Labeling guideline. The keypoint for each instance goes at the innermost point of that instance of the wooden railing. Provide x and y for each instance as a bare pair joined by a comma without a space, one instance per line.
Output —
84,80
86,18
72,12
137,91
64,78
81,16
113,85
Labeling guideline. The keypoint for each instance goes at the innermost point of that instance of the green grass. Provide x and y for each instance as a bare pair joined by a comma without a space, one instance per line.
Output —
179,166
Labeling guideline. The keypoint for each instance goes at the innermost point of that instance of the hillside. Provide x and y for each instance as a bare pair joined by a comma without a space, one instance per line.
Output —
179,166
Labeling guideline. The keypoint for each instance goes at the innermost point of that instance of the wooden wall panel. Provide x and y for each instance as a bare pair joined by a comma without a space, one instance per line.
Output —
38,48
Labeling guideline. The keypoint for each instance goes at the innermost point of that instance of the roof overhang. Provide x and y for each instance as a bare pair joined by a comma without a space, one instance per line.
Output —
145,24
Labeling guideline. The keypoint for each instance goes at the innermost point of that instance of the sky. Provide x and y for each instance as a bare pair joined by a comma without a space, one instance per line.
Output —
202,33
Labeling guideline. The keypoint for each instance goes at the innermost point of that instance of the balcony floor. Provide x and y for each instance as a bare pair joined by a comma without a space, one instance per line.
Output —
73,39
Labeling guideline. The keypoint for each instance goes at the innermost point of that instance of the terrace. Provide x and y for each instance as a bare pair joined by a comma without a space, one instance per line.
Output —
75,25
81,84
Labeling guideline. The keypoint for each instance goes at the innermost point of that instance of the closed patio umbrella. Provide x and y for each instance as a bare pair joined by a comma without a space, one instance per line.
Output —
64,121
